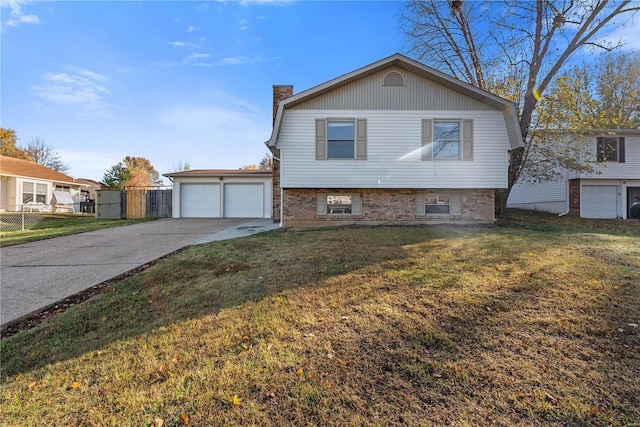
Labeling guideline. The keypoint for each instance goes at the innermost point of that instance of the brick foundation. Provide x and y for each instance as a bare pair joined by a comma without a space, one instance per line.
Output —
574,197
384,205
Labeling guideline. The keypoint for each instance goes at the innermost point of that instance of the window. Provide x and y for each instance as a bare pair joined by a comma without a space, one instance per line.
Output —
63,188
437,205
450,139
33,192
339,204
610,149
446,140
340,139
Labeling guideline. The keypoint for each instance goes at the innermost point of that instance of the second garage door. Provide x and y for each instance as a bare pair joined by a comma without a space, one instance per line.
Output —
599,201
243,200
200,201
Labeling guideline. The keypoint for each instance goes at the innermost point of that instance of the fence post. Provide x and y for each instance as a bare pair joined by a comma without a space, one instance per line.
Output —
22,216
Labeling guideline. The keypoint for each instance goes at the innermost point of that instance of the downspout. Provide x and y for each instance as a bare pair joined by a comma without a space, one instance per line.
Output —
568,197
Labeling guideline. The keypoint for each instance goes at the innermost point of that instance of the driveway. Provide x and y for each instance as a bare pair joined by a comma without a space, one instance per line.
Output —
35,275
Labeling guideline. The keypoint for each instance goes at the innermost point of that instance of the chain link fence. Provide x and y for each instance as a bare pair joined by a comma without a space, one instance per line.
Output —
24,217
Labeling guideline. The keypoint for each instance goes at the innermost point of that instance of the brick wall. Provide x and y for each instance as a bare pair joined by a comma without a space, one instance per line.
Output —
574,197
275,179
384,205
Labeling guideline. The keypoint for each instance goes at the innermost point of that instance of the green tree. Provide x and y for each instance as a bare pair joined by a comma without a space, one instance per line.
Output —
525,41
116,178
266,163
9,144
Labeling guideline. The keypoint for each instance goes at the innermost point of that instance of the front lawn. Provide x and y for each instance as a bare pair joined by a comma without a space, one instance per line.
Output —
530,323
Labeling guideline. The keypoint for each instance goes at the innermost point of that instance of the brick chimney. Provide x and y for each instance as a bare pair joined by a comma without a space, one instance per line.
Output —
280,92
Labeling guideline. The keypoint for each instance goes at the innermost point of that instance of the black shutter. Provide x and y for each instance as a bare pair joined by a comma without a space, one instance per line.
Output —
621,149
600,149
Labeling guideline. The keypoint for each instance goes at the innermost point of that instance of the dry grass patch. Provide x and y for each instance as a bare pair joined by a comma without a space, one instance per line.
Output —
356,326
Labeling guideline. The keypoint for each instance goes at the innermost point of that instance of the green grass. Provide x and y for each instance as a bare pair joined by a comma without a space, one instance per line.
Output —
529,323
55,225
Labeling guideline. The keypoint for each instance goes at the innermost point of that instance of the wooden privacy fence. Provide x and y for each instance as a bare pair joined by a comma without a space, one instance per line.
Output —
134,204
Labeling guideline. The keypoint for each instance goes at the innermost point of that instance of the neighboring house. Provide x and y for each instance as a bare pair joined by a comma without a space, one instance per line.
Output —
90,191
607,193
395,141
29,184
221,193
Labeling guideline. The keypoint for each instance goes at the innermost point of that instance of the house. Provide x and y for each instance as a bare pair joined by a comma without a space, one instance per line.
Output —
28,185
607,192
395,141
221,193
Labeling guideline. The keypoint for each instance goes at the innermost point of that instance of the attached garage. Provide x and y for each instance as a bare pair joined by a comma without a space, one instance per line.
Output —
244,200
200,200
599,201
221,193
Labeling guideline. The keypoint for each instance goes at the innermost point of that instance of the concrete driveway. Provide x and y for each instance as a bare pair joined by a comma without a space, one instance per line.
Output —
36,275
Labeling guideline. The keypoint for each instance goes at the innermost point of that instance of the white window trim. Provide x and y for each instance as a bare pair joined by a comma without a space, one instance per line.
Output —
353,140
460,139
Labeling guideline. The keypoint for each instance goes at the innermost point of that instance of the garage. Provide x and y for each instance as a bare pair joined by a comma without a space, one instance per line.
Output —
200,200
599,201
243,200
222,193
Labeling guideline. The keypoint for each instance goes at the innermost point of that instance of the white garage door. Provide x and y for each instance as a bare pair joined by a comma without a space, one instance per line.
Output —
200,201
599,201
243,200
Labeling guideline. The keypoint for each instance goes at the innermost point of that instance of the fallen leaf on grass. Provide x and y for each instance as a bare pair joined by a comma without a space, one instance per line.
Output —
76,384
32,385
235,400
184,417
300,371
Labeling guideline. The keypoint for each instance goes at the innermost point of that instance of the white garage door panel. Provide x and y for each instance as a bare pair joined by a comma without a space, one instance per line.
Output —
200,201
243,200
599,201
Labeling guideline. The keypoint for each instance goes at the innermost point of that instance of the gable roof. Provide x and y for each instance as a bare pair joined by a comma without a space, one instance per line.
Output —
220,172
10,166
508,108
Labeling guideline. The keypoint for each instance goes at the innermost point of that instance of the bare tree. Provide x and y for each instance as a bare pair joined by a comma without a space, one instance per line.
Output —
514,46
38,151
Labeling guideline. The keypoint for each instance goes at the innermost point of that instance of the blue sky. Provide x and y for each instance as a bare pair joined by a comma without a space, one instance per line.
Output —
174,81
187,81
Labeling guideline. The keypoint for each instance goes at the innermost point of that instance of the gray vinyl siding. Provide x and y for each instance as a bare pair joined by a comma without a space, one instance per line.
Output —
394,140
369,93
630,169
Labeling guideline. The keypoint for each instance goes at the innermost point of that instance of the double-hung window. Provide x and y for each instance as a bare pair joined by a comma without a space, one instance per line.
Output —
610,149
340,139
339,204
34,192
446,139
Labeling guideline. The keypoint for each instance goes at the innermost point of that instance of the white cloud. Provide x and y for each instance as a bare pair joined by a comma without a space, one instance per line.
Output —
627,33
77,87
199,55
16,16
234,60
177,43
191,29
244,25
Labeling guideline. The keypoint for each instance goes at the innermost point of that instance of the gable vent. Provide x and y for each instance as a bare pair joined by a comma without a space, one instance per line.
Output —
393,78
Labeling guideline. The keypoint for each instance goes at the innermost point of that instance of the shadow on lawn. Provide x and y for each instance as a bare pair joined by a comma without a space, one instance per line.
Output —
470,345
197,282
